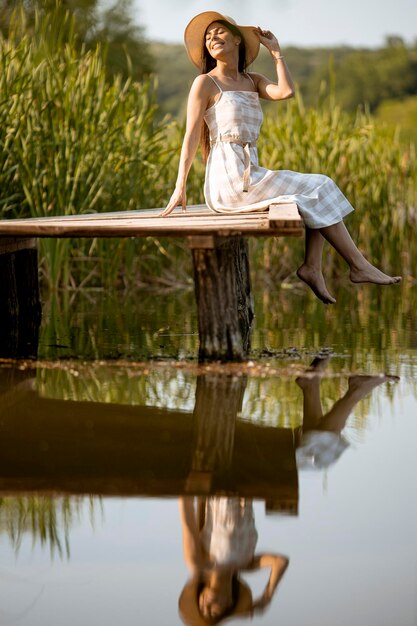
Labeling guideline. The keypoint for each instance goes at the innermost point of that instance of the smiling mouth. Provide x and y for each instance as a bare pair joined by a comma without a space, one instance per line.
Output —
216,45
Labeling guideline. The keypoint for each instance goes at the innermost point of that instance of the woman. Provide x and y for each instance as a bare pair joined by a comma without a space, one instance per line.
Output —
219,540
223,109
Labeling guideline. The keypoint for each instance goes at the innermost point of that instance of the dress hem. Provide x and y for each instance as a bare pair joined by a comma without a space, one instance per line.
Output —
263,206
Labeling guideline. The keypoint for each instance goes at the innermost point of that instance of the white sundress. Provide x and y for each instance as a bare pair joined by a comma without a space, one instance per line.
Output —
229,535
319,449
235,182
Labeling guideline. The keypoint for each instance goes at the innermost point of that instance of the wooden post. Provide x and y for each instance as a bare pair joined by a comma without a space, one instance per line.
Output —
217,403
224,298
20,307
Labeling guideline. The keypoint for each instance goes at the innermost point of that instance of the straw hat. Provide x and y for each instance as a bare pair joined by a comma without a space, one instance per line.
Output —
196,29
190,612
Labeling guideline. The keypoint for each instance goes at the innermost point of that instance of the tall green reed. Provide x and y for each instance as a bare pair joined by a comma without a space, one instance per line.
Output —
71,143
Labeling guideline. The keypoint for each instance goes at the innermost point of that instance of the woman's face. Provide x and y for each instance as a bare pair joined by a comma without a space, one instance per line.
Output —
220,41
213,603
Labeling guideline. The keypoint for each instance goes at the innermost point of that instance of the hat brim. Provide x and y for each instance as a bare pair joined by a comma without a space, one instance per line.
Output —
188,603
196,29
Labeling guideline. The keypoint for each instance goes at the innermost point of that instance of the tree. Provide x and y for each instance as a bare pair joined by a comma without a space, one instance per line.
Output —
127,51
367,77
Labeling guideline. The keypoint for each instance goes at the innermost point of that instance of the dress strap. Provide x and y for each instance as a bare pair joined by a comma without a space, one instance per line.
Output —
216,83
251,80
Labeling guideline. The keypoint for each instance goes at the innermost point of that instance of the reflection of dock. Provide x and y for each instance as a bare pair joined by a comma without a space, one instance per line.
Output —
56,446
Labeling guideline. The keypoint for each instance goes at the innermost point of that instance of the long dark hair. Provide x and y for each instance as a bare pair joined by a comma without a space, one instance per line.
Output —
207,64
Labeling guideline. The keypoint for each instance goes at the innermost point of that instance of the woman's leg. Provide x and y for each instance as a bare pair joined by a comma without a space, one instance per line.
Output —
335,419
359,387
361,271
310,271
312,409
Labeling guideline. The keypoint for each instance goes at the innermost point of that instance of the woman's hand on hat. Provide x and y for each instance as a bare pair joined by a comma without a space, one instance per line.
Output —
178,198
267,39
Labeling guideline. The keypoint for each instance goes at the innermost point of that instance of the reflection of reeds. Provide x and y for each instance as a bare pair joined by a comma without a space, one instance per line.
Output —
47,519
165,388
370,331
113,325
268,400
116,326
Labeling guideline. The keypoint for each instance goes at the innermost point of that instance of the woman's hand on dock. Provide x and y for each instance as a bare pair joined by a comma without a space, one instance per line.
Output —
178,198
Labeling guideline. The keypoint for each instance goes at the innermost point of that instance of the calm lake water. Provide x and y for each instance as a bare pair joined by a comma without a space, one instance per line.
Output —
108,444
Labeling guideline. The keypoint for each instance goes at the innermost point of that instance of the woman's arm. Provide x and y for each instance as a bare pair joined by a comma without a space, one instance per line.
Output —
197,104
193,554
284,87
278,564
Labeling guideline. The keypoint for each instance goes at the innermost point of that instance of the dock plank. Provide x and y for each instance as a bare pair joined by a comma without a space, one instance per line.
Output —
281,219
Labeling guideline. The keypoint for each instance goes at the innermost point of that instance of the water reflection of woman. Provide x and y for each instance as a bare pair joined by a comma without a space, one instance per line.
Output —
219,540
321,442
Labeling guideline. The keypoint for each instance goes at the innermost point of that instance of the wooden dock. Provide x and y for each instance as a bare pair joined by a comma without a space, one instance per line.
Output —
220,258
279,220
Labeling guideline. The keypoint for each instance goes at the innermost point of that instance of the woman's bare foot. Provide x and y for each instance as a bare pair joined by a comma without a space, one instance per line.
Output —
362,385
315,280
317,366
370,274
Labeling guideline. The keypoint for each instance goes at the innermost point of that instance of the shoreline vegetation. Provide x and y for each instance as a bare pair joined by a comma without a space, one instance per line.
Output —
75,140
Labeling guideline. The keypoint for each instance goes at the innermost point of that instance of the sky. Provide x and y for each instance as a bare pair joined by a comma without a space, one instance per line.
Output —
359,23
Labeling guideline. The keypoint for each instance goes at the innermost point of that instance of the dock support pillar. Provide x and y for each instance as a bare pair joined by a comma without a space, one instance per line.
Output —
20,305
218,402
224,296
